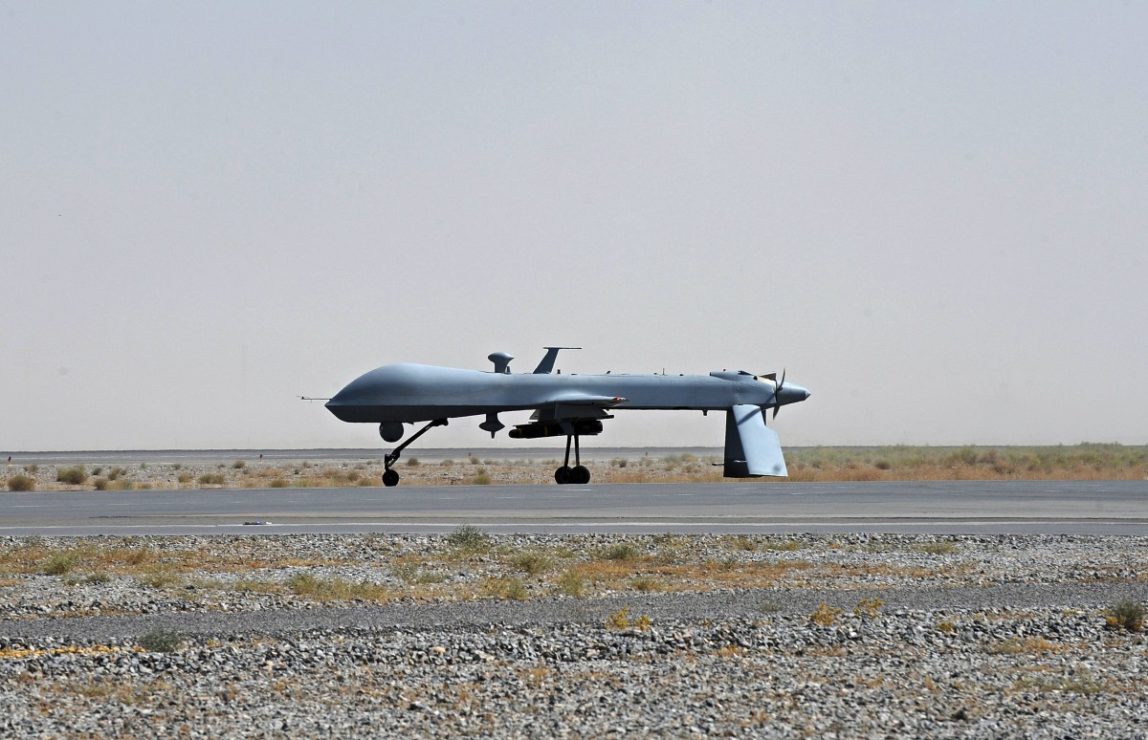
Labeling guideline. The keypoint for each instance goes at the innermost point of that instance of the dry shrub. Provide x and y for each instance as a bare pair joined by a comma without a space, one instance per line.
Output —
507,589
945,547
862,475
623,551
604,571
742,542
531,563
869,607
159,578
645,584
335,589
1023,645
21,482
160,641
74,476
619,620
570,583
824,615
469,537
61,563
1127,615
787,545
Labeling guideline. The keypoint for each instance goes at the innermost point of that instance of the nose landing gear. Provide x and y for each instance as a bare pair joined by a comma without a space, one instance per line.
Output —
579,474
390,475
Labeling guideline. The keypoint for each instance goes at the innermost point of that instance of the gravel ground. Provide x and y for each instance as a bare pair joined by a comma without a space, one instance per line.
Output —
835,636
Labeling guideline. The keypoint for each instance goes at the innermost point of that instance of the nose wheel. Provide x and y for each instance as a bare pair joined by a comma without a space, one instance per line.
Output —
579,474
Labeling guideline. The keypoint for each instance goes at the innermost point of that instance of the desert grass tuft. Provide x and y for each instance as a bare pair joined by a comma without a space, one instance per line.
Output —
411,574
159,578
469,537
335,589
646,584
824,615
781,545
1080,683
623,551
1022,646
869,607
740,542
60,563
532,563
570,583
160,641
1127,615
619,620
255,586
938,548
74,476
21,482
505,588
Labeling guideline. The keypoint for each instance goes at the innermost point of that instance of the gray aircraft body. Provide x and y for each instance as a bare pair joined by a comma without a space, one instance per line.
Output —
571,405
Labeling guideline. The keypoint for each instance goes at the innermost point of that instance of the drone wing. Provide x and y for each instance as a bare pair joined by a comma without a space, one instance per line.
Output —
573,405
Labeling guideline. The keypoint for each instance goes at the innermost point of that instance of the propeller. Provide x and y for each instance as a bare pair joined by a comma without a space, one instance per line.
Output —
777,389
777,392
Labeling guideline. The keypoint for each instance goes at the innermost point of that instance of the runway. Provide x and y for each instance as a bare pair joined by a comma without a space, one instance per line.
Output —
950,507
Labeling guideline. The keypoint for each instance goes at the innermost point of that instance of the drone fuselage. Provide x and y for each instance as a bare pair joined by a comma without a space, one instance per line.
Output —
411,393
570,405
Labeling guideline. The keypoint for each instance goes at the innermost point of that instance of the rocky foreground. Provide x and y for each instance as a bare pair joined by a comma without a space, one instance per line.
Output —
538,636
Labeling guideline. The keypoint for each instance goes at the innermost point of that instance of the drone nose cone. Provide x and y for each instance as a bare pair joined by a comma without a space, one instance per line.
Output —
790,393
338,407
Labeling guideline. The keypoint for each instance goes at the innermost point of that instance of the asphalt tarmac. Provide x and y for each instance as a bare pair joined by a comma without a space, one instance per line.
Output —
948,507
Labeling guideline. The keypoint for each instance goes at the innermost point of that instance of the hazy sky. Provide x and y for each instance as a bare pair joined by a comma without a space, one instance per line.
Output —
933,214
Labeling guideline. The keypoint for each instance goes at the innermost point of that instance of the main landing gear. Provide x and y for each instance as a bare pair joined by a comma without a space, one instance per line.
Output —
390,475
579,474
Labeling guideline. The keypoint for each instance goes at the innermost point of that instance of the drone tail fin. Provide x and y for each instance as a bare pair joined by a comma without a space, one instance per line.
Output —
751,448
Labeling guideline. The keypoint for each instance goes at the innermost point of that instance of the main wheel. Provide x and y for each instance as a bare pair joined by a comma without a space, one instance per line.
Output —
580,474
391,478
562,475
